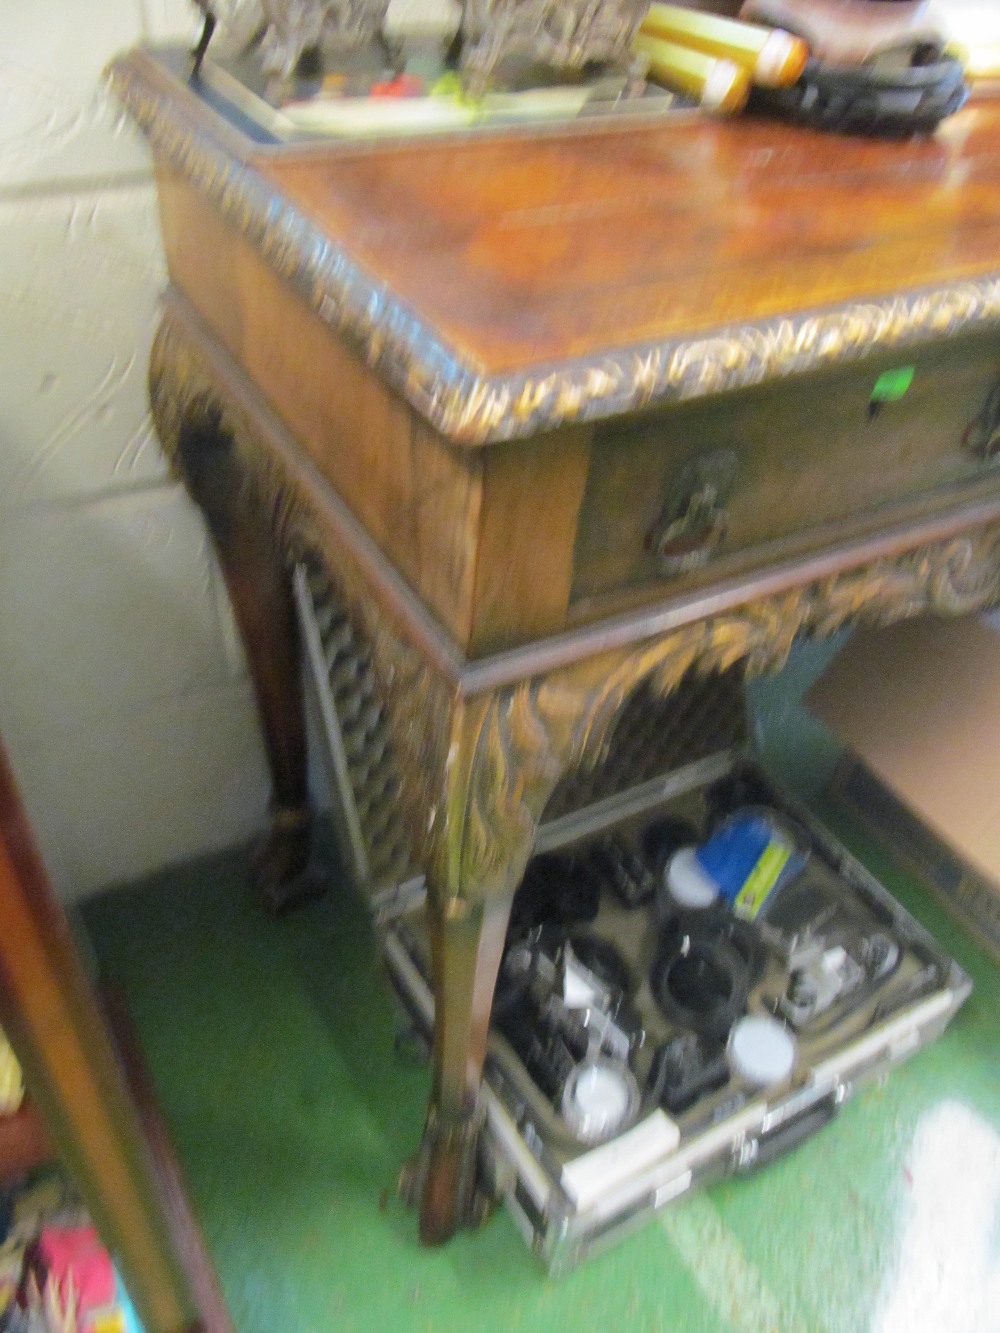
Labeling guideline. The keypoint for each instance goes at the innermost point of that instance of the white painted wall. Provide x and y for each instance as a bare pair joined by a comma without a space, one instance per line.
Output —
124,698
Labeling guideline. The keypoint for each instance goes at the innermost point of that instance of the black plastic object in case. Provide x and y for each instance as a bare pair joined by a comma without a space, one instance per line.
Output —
663,837
563,1006
875,99
736,790
549,1050
684,1069
717,923
601,958
745,938
556,890
628,876
700,984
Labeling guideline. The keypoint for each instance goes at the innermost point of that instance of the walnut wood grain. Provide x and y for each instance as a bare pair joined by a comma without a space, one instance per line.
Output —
486,541
23,1142
522,540
417,496
528,518
514,542
554,248
812,463
290,482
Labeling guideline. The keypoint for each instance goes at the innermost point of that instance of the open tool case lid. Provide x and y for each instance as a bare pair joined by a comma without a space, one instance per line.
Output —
695,1096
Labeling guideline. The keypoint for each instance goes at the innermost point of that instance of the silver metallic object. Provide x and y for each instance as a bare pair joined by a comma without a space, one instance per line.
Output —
294,26
600,1098
566,34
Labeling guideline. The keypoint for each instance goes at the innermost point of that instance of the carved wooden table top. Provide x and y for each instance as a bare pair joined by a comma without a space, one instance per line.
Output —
509,282
556,251
348,326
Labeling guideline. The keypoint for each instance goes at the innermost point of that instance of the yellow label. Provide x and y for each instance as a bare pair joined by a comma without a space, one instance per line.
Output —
112,1322
762,879
11,1082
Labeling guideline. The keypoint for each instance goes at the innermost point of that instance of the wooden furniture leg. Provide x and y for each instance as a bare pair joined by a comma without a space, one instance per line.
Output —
53,1021
467,943
23,1144
201,447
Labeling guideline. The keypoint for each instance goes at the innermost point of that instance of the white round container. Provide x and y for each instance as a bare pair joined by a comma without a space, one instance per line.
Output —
761,1050
688,883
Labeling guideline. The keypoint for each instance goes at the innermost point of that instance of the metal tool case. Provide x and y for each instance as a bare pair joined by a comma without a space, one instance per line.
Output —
855,980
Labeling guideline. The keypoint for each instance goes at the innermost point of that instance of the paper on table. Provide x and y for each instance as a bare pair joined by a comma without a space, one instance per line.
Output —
378,115
416,115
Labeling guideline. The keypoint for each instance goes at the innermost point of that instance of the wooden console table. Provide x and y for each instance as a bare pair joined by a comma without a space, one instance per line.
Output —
564,415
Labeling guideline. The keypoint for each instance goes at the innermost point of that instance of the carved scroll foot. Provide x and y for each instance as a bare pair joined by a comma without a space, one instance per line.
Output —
280,868
443,1181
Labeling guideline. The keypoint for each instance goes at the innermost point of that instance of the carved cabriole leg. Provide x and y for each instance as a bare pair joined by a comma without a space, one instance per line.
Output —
199,442
507,753
254,510
467,943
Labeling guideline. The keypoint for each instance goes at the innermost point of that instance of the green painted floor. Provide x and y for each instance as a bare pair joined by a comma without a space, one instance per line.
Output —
271,1046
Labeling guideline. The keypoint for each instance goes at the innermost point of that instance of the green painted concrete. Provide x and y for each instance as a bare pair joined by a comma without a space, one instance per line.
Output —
271,1046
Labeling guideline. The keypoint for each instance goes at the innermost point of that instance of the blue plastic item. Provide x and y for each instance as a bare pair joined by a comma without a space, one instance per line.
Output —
748,857
732,852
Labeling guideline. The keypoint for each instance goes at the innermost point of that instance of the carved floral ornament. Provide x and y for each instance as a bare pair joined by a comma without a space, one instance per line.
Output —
471,408
532,734
565,34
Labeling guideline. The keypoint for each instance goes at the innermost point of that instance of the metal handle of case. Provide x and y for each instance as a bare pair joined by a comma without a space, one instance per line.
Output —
757,1151
685,541
982,435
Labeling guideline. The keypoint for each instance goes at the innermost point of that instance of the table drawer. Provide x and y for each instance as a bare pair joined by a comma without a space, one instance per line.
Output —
783,469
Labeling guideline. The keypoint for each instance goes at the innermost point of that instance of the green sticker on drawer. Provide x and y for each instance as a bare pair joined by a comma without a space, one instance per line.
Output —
892,384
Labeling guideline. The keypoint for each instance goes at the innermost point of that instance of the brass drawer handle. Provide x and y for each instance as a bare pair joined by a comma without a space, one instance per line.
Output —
982,435
685,541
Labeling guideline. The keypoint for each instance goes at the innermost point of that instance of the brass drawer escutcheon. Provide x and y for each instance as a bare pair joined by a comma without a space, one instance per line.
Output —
694,521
